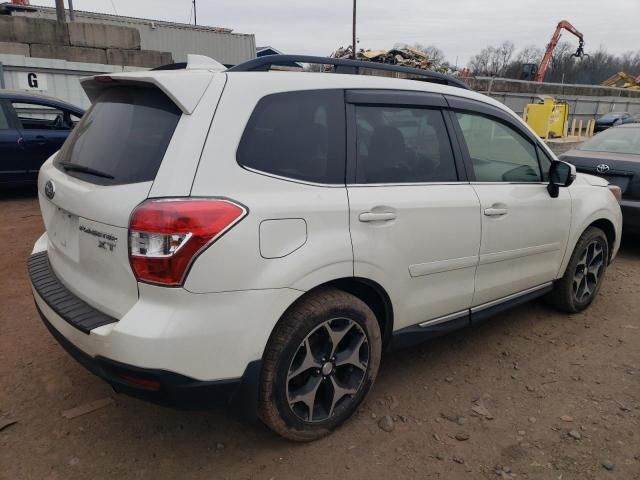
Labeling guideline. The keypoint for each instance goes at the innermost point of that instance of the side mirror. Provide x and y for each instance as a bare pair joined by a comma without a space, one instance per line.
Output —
561,174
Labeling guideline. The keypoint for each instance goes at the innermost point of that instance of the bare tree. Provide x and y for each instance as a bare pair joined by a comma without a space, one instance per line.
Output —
503,56
479,63
433,53
493,60
530,54
600,65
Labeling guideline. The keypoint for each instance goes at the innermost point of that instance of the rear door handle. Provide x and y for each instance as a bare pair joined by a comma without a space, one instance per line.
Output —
377,216
495,212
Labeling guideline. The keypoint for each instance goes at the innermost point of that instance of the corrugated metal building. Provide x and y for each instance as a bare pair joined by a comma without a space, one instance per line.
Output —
180,39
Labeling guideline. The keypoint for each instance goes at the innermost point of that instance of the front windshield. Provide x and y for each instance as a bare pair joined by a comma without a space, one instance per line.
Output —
615,140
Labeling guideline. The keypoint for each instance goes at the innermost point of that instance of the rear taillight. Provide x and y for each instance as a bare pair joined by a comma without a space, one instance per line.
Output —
167,235
617,192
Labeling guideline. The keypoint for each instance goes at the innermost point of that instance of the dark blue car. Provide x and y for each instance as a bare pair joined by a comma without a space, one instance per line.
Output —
613,119
32,128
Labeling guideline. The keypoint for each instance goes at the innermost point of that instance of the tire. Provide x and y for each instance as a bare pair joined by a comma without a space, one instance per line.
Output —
575,291
295,377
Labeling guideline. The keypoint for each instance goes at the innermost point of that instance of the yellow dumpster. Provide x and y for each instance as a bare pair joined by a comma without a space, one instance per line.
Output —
548,119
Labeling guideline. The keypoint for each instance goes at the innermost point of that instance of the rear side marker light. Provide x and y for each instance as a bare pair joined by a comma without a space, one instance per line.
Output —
167,235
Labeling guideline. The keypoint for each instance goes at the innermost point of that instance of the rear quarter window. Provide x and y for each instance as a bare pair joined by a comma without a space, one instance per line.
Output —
124,135
297,135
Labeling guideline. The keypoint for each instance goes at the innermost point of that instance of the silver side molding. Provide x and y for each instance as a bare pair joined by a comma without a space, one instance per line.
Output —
446,318
484,306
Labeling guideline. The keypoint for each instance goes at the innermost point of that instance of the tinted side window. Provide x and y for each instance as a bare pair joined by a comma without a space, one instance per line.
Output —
35,116
4,121
124,135
298,135
402,145
498,152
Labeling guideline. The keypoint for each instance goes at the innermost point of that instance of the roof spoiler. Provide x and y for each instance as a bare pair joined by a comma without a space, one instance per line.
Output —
185,90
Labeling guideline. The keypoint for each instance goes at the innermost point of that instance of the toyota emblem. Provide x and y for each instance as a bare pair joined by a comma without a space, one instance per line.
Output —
603,168
49,189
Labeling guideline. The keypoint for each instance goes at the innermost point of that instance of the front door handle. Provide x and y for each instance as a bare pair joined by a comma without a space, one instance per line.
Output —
377,216
495,212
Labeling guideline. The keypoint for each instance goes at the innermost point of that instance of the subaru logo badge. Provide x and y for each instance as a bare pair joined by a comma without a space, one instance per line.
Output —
49,189
603,168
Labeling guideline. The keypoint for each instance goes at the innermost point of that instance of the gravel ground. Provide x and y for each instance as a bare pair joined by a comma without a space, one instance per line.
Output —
531,394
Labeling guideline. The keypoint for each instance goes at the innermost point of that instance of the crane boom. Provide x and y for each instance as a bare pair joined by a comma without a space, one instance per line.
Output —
563,24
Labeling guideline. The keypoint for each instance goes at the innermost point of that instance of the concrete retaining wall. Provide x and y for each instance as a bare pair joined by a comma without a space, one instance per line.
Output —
229,48
31,30
14,48
77,42
585,101
137,58
103,36
507,85
73,54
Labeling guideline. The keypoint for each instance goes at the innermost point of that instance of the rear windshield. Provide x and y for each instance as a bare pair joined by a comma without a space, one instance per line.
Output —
122,138
615,140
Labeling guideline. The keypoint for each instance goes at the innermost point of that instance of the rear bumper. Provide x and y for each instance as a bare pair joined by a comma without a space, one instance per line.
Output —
238,395
631,215
172,347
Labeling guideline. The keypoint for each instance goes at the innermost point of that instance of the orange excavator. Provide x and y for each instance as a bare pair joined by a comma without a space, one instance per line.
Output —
530,71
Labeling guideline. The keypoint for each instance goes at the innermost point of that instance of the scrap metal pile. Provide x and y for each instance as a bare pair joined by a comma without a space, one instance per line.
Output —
406,57
623,80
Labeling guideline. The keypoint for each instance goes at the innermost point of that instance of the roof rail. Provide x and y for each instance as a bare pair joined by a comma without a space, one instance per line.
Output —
194,62
343,65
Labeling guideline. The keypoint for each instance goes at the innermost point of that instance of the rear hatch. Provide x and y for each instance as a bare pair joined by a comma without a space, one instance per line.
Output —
106,168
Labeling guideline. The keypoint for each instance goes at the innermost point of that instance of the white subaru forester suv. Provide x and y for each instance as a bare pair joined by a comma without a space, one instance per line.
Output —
258,238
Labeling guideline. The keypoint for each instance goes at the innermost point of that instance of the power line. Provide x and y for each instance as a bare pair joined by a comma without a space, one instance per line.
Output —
114,7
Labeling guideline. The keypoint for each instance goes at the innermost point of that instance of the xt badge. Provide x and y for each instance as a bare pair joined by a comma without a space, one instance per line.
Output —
106,245
106,241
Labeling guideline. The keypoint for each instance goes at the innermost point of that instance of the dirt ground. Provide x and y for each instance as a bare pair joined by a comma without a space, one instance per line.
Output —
556,397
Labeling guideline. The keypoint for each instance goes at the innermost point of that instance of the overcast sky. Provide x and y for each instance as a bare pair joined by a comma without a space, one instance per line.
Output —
459,27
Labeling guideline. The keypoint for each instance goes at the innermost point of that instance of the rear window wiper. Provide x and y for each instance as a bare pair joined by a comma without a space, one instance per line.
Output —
74,167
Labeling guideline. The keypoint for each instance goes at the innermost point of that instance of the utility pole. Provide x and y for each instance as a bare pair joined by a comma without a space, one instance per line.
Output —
353,39
62,32
195,13
72,15
60,15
